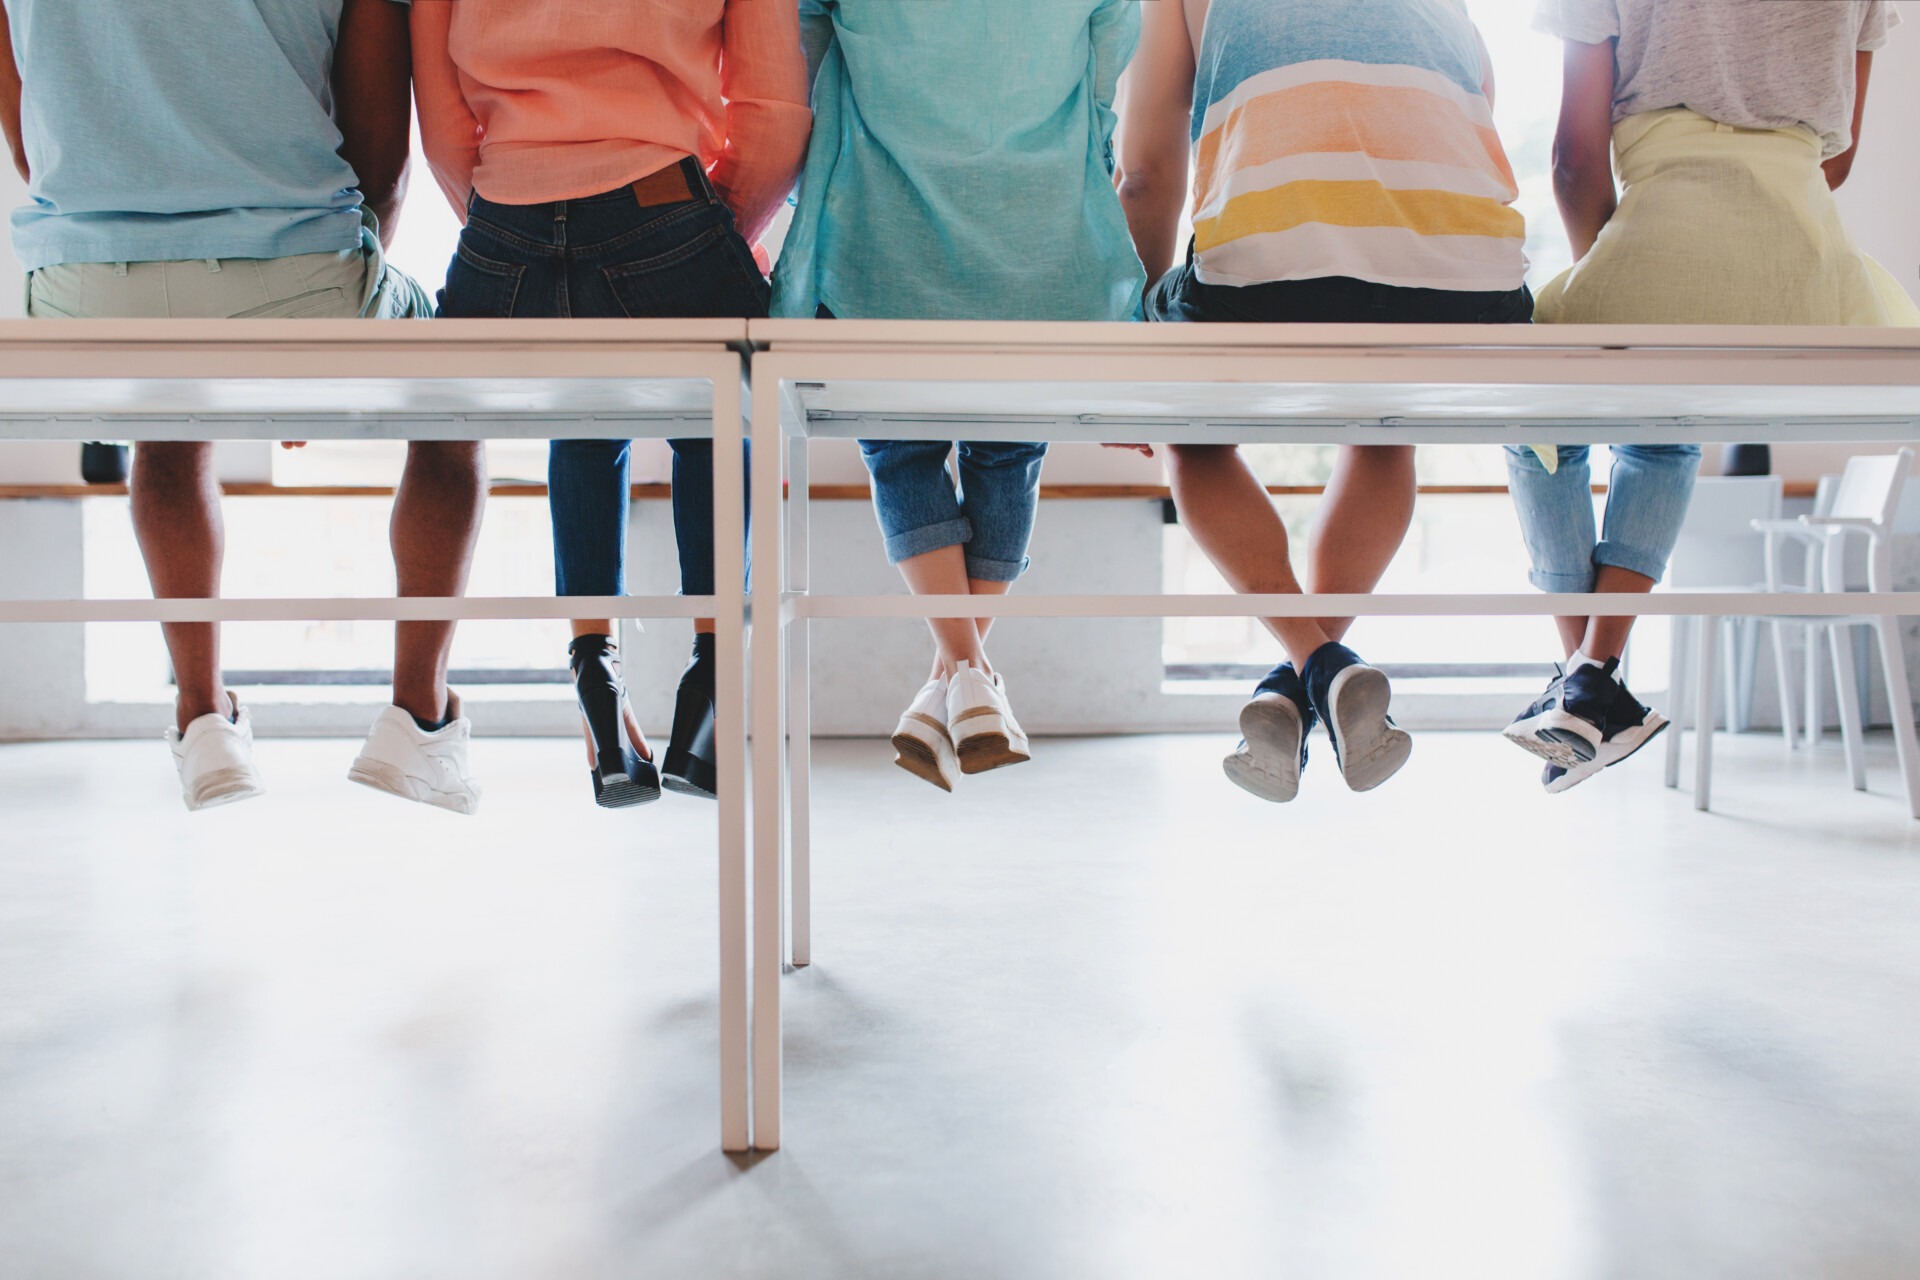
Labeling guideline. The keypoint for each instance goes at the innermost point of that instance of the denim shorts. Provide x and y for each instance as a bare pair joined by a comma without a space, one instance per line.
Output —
990,513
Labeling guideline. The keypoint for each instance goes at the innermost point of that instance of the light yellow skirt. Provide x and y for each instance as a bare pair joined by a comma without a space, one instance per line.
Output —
1719,225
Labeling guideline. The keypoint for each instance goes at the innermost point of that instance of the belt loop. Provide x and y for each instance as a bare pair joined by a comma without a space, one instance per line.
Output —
213,266
698,180
119,268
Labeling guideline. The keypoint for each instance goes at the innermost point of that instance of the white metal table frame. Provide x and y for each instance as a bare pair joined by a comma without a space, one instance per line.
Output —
448,380
1238,384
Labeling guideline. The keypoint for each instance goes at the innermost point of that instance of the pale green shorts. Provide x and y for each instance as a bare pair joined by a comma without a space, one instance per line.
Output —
355,283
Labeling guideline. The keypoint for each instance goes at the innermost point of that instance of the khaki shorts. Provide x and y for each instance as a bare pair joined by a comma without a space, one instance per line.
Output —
355,283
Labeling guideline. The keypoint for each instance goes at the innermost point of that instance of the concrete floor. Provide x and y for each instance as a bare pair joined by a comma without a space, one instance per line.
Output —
1101,1016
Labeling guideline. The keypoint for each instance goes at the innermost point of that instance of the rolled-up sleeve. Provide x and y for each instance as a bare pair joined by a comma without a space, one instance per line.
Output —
449,132
763,77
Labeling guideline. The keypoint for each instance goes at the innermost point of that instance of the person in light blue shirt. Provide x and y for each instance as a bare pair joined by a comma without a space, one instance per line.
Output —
240,159
961,169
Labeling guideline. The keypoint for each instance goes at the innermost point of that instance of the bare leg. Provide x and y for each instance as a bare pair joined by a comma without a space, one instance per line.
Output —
1231,516
978,587
1573,633
436,521
1607,637
176,517
944,573
1363,520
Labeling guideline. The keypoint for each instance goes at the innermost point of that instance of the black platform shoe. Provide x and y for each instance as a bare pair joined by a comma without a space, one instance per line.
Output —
621,777
689,764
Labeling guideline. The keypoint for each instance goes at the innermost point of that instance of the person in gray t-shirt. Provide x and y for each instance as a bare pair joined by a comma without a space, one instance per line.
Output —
1754,66
1727,123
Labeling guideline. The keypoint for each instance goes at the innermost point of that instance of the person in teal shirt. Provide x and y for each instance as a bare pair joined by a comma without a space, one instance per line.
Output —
961,169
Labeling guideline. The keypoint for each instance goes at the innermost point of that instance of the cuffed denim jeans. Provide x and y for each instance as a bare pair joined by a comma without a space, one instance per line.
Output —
1647,497
609,256
990,514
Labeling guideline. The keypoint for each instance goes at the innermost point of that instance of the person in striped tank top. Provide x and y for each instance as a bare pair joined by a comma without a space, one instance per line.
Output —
1345,169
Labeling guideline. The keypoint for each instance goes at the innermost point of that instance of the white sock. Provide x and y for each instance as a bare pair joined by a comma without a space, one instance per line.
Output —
1580,659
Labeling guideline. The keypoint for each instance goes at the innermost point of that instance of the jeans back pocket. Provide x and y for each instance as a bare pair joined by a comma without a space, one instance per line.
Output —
478,288
709,276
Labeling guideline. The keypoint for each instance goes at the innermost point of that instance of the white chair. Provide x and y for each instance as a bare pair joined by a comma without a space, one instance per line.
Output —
1865,502
1719,549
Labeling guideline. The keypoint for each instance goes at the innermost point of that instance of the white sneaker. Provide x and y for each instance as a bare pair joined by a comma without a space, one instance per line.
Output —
214,758
921,744
402,759
985,734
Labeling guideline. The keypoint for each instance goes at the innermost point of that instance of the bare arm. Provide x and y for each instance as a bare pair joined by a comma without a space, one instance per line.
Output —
763,76
1583,147
1156,105
10,99
1840,166
373,103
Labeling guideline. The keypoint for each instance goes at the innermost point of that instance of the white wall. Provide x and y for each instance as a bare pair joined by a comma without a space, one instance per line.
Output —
1882,198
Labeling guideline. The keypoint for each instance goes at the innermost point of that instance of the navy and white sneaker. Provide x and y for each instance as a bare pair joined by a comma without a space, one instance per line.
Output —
1554,779
1585,722
1273,737
1352,698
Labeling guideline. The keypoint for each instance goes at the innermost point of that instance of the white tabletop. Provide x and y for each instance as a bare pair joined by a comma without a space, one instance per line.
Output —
330,379
1354,383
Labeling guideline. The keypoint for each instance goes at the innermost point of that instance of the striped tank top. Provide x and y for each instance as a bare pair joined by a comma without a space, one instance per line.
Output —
1350,139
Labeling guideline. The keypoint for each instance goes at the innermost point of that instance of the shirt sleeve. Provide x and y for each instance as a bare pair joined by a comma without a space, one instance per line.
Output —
1882,16
449,132
1115,31
763,77
1582,21
816,34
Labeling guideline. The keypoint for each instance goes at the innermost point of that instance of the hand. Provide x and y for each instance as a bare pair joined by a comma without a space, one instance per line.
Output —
1144,450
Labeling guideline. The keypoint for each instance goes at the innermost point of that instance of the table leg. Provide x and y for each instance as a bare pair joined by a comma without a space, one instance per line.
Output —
800,713
769,890
1707,636
730,752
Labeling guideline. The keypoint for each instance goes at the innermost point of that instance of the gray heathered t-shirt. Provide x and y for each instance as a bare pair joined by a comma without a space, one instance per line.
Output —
1754,64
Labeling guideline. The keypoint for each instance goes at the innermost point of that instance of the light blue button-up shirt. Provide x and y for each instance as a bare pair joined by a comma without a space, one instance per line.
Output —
962,163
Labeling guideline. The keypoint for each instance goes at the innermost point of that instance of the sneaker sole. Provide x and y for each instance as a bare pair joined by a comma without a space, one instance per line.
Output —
1371,750
1606,759
384,777
1269,766
923,749
1556,736
223,787
989,743
1628,741
1572,778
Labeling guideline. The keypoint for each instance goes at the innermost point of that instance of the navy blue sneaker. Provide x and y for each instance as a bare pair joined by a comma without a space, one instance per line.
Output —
1585,722
1352,698
1273,737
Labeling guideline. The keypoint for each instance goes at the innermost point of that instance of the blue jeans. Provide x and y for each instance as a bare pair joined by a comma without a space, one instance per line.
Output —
991,514
609,256
1647,499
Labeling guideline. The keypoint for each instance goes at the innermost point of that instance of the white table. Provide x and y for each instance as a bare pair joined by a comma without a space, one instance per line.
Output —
448,380
1236,384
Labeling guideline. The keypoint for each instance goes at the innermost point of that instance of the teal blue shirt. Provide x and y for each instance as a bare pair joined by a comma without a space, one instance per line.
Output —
962,163
164,131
